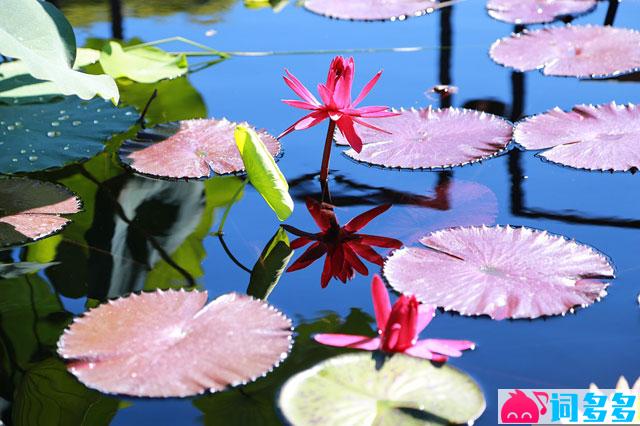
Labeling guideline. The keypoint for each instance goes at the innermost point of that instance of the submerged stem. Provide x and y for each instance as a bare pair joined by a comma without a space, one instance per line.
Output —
324,169
228,209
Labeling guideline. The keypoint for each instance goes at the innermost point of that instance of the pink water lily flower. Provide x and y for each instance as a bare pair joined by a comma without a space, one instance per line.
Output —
398,329
336,102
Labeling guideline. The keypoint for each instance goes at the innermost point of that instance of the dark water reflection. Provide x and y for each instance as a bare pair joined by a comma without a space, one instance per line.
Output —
137,233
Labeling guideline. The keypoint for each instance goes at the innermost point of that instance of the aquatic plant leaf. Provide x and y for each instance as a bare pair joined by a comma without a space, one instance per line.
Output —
18,86
188,149
39,137
49,395
263,172
358,389
38,34
502,272
602,137
577,51
13,270
270,266
169,344
32,210
536,11
371,10
433,138
142,64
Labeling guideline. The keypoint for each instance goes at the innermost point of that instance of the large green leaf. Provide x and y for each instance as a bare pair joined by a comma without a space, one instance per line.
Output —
263,172
48,395
38,137
142,64
270,266
39,35
18,86
367,389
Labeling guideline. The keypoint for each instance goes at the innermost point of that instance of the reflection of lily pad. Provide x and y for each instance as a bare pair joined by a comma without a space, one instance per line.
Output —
38,137
358,389
31,210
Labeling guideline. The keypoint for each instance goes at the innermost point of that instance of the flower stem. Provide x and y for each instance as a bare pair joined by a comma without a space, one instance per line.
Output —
324,170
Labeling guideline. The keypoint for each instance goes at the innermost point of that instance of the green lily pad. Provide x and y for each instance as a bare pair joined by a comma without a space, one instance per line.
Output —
38,34
38,137
142,64
361,389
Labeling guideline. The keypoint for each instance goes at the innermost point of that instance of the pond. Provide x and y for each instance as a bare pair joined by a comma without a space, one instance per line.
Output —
136,233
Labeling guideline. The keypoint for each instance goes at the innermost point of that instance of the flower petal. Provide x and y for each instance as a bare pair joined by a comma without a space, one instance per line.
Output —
325,95
345,125
327,273
425,315
360,221
299,88
367,253
314,252
342,92
374,240
299,104
367,88
381,302
322,213
299,242
348,341
352,259
420,351
305,122
446,347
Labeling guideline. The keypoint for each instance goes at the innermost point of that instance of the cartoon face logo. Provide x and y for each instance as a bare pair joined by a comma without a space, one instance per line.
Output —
520,409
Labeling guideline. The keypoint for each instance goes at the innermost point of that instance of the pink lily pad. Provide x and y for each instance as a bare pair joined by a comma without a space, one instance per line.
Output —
31,209
574,51
603,137
537,11
371,10
189,149
169,344
502,272
433,138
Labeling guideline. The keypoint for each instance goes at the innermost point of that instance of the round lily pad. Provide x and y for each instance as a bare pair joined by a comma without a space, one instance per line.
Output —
537,11
589,51
499,271
189,149
358,389
31,209
44,136
604,137
432,139
371,10
169,344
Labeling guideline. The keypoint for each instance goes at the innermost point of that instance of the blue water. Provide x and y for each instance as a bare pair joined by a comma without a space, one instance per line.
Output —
597,344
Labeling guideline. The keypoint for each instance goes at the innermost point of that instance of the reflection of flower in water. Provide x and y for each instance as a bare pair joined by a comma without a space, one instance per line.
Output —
343,246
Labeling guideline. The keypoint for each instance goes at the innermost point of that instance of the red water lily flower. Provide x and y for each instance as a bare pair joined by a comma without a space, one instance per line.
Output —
342,245
336,102
398,329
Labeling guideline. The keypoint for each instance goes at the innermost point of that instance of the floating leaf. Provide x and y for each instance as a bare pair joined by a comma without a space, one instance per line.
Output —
38,137
38,34
502,272
371,10
31,210
577,51
433,138
536,11
188,149
263,172
270,266
184,348
355,389
13,270
603,137
142,64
